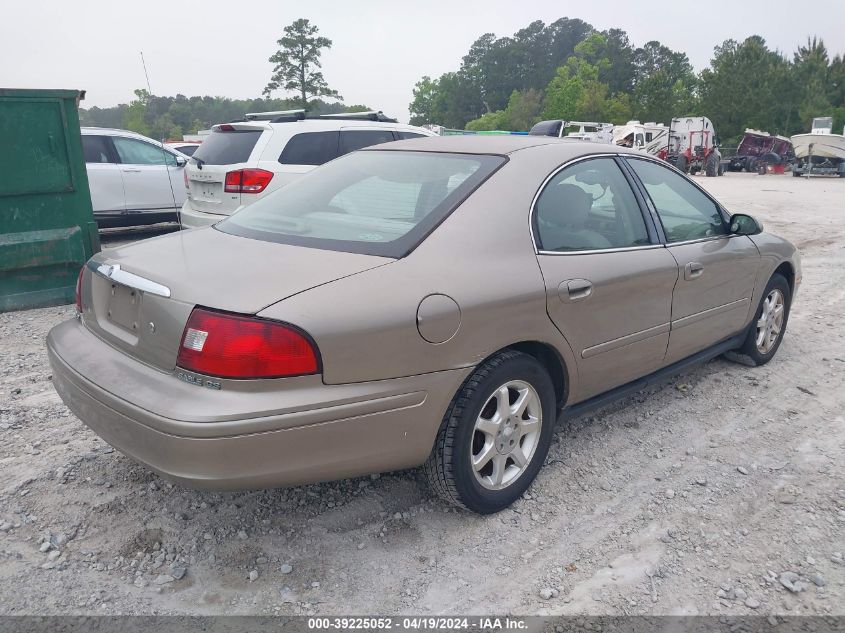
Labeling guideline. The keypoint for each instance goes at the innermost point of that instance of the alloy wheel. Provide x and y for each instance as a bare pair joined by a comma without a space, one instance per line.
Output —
770,323
506,435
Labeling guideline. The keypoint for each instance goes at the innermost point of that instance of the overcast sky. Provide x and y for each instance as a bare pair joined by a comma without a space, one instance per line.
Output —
211,47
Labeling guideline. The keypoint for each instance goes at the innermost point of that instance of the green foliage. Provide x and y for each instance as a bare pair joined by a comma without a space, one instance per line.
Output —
579,73
171,117
748,85
296,62
664,84
422,107
497,120
563,95
522,112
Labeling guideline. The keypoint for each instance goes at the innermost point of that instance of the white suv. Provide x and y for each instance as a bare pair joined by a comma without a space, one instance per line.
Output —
240,163
133,179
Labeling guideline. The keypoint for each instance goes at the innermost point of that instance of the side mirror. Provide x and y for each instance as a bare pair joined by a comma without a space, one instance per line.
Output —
742,224
181,162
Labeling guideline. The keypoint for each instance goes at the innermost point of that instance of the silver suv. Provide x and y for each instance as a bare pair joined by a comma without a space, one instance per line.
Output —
240,163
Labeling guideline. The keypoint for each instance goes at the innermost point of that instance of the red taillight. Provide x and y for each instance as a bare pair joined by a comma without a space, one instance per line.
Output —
247,180
235,346
79,290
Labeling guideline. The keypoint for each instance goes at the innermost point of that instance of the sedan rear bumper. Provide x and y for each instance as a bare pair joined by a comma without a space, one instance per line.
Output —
388,425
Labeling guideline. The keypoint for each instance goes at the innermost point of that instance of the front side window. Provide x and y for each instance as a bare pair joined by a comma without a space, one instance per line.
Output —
589,206
134,152
310,148
685,212
371,202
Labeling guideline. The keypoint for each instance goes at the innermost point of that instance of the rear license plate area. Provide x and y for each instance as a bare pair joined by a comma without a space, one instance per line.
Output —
124,307
207,191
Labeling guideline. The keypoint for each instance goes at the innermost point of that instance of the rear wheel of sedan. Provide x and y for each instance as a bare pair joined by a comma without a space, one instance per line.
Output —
495,434
766,331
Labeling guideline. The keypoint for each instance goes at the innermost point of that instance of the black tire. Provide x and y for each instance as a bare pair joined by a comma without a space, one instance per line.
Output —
750,164
681,163
711,165
795,172
749,353
721,169
449,470
762,170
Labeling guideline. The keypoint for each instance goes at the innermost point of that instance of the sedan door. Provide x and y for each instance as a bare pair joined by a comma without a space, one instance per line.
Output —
608,280
716,270
152,179
104,176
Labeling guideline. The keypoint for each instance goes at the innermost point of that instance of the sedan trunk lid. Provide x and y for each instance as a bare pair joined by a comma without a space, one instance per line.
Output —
138,297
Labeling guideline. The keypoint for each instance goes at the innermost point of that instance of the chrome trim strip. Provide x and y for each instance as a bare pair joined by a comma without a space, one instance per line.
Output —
628,339
621,249
131,280
706,314
709,238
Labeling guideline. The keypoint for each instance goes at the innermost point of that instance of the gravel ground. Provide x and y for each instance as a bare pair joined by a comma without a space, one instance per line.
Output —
720,492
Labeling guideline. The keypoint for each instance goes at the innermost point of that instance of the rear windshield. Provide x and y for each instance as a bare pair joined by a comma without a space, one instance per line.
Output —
370,202
227,148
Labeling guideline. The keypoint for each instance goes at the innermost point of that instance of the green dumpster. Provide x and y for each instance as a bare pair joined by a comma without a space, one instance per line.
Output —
47,228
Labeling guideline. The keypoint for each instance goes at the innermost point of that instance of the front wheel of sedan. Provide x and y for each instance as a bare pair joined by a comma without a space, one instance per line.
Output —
766,331
495,434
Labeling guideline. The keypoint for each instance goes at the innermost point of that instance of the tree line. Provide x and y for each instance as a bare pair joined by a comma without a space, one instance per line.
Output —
563,70
569,70
171,117
296,67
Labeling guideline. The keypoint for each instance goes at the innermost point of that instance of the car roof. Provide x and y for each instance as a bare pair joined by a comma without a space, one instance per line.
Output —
500,144
109,131
327,124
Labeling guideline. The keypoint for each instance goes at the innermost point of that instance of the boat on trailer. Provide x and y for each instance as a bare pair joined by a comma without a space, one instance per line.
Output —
821,152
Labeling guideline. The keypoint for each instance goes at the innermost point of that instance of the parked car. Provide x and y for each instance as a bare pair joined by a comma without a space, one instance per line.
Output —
437,301
184,147
133,179
241,163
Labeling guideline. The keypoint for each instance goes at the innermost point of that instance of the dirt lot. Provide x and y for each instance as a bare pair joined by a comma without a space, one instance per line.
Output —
722,491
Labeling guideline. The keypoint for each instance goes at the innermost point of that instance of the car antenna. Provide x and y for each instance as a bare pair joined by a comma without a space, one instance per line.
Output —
163,151
144,64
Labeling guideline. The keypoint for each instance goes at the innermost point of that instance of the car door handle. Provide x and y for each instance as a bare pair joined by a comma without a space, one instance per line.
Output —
575,290
693,270
131,170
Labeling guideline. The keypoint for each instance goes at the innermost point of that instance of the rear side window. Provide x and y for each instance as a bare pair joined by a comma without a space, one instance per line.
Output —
350,140
589,206
96,149
310,148
188,150
406,135
228,148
